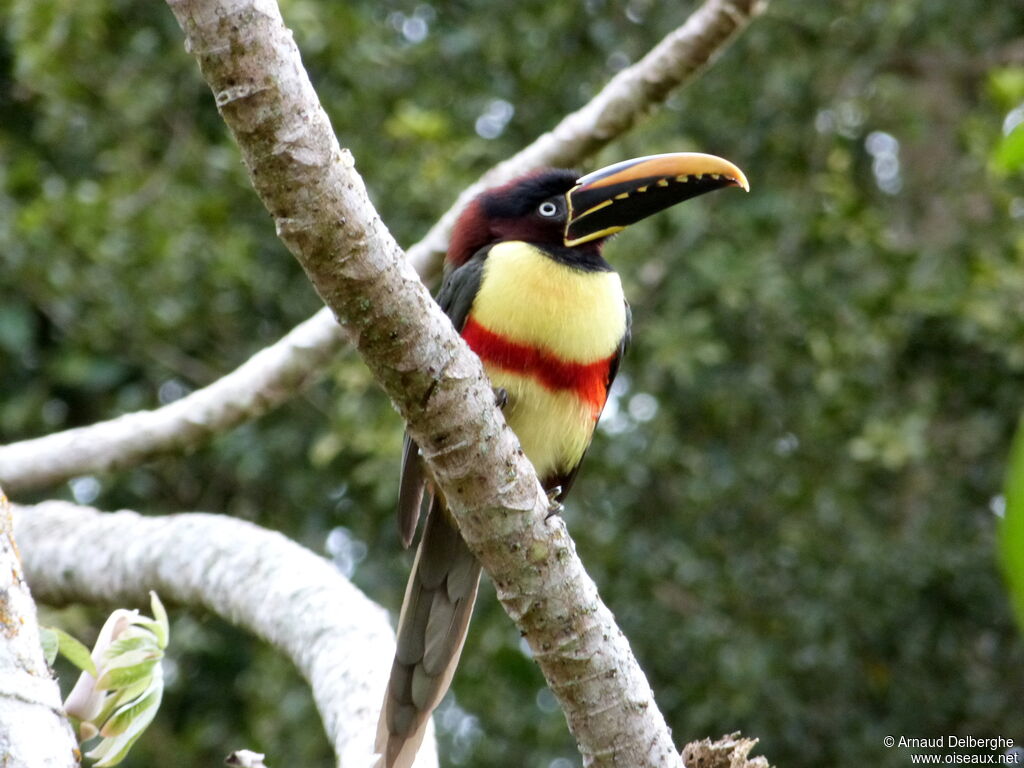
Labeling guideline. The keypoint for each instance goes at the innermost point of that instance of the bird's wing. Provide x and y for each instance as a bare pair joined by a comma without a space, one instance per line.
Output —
613,369
461,287
411,486
455,298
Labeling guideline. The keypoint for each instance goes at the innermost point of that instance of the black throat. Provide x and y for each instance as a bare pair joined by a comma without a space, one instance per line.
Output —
586,258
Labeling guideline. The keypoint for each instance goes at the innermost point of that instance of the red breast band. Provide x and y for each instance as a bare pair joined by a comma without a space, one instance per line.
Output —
589,381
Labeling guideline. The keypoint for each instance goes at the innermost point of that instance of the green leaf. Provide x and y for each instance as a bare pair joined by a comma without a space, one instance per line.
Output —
131,654
1006,85
1011,531
74,651
129,712
48,639
131,692
160,626
1008,156
124,729
130,642
136,666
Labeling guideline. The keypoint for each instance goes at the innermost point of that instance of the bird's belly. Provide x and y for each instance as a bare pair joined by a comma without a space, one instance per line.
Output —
547,333
554,427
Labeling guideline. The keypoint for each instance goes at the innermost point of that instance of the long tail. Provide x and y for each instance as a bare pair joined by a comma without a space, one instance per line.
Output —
431,630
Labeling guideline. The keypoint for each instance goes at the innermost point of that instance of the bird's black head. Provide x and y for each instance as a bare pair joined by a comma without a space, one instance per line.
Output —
556,209
531,208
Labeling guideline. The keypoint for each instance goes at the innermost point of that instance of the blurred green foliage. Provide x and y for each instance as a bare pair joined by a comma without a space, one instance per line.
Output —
791,504
1012,530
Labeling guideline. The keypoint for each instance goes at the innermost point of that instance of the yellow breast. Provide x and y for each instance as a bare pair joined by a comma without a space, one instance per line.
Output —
529,297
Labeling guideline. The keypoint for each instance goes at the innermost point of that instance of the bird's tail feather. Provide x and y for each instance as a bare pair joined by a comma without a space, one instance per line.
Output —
431,630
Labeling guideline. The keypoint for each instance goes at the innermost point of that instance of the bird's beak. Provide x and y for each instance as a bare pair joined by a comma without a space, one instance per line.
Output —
610,199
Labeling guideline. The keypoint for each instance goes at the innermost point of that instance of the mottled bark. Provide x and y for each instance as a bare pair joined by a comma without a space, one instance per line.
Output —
34,731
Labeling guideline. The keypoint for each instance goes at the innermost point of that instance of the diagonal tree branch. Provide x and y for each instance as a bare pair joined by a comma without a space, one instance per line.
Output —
273,375
323,215
338,638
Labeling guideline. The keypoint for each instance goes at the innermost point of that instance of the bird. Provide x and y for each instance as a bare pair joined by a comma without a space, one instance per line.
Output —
527,287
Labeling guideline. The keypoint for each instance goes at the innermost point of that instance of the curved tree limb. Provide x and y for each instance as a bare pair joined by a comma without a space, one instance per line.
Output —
346,648
34,731
274,374
324,216
339,639
267,379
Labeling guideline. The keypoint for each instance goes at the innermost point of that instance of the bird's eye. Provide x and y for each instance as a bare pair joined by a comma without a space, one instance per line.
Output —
547,208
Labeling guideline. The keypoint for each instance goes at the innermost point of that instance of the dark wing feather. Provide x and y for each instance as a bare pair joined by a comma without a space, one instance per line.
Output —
613,369
431,630
455,298
411,487
461,287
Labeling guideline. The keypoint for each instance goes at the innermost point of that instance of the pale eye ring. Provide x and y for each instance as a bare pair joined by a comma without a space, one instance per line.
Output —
547,208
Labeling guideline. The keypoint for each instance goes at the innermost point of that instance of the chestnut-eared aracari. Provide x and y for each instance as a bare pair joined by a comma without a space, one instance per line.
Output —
528,289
